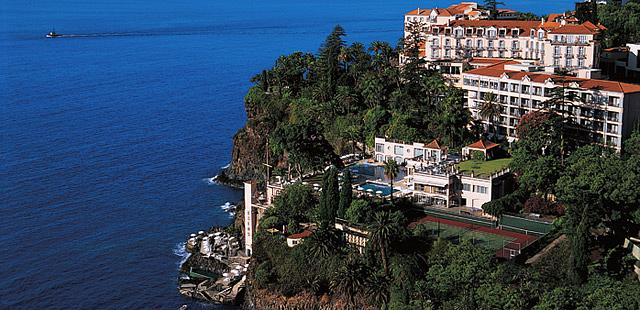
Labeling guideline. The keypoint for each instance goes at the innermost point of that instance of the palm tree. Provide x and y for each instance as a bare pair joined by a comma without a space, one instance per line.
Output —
391,169
490,110
349,279
385,227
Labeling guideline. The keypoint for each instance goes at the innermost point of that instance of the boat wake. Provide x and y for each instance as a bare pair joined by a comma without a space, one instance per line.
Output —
181,251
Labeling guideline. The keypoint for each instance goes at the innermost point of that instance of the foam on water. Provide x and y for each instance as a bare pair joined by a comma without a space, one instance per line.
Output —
181,251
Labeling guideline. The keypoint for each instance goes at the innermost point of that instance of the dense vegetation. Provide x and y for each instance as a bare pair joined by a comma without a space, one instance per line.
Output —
318,107
622,22
404,268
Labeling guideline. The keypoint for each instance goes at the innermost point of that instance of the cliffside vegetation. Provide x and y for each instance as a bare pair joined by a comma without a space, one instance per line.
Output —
311,108
404,268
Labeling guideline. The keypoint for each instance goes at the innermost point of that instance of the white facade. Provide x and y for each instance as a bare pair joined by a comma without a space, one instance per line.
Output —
561,46
608,110
254,208
446,187
403,152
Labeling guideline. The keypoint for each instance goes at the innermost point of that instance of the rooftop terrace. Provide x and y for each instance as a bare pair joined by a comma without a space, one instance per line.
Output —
483,167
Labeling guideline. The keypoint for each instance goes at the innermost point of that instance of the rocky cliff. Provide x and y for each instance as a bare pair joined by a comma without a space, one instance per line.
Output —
263,299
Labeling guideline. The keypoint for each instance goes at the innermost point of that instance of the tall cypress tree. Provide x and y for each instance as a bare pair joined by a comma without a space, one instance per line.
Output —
346,194
329,198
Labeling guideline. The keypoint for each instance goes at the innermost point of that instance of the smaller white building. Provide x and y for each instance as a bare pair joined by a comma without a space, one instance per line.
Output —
295,239
411,153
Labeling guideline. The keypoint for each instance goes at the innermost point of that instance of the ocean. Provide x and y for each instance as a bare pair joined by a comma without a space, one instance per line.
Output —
109,137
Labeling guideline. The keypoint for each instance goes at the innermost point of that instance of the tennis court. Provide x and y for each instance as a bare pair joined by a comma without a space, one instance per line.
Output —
505,243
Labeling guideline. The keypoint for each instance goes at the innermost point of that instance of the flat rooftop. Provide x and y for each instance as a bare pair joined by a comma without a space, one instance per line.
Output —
483,167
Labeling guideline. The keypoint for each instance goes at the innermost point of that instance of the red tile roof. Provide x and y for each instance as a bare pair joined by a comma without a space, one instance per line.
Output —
540,77
455,9
486,60
525,25
552,17
576,29
302,235
433,145
483,145
419,12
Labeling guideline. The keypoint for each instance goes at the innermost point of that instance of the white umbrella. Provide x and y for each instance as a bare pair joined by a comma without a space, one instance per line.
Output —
370,190
379,192
360,188
316,185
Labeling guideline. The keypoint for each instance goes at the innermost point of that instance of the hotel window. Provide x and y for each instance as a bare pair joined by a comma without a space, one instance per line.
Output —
556,62
380,147
569,51
469,43
537,91
479,43
514,45
582,39
535,104
581,62
398,150
612,128
501,44
491,33
447,42
556,51
541,34
533,33
614,101
568,62
466,187
480,189
581,51
419,153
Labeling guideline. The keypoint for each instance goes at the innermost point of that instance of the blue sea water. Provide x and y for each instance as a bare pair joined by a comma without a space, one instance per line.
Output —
107,138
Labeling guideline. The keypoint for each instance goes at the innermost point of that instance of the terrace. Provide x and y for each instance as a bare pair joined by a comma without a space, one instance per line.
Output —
483,168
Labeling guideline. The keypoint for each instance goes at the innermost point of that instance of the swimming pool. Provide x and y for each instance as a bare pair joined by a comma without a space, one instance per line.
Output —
374,172
385,189
364,169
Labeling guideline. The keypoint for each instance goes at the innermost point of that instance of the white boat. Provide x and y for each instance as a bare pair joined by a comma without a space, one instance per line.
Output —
53,34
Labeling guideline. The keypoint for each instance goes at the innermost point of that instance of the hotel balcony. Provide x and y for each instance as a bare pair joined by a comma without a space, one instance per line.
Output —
557,56
582,56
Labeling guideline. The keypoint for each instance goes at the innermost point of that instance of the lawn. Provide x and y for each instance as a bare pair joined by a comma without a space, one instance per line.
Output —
484,167
456,234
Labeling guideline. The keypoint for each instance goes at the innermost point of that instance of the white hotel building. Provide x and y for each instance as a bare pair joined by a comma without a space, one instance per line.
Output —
608,110
463,33
433,178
